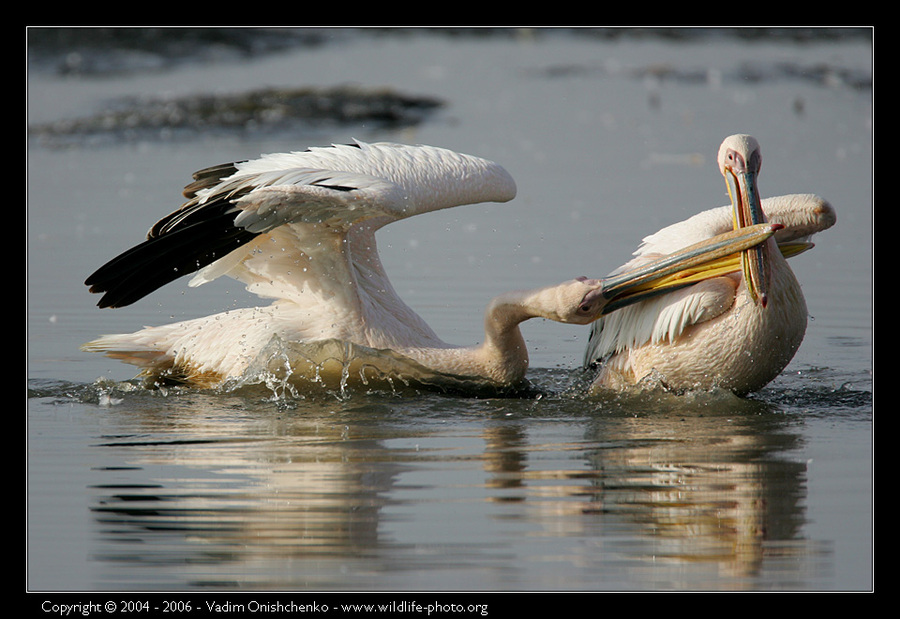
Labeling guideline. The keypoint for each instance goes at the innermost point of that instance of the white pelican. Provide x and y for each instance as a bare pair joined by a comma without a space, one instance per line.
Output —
299,228
735,332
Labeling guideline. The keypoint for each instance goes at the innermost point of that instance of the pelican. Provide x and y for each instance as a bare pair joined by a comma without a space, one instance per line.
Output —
299,229
735,332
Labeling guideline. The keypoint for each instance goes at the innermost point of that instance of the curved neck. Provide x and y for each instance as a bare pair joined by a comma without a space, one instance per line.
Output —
503,357
503,349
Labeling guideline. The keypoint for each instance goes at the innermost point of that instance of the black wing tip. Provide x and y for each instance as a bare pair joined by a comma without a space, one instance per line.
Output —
101,304
113,299
158,261
180,243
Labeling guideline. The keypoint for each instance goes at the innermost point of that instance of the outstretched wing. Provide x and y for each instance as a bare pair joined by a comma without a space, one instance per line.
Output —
206,230
335,187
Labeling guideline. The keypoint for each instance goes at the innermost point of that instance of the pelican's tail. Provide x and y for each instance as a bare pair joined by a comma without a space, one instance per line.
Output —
180,352
147,349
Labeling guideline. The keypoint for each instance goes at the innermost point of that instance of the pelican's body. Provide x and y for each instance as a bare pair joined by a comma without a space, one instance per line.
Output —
727,332
335,343
298,228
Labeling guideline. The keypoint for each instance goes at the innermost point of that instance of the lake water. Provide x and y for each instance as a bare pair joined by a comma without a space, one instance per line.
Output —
609,138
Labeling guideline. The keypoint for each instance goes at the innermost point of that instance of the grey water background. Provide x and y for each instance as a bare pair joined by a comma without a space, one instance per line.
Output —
610,134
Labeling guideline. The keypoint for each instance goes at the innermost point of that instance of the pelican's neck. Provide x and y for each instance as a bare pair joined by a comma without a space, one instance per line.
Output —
503,351
501,358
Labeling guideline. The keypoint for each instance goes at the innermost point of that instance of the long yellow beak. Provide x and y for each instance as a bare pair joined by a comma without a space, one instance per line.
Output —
747,211
713,257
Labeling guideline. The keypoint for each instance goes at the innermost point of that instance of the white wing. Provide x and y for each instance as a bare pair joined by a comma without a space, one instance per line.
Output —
309,205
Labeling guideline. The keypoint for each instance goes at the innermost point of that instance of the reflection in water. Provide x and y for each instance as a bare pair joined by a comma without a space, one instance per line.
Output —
703,487
283,489
240,490
692,480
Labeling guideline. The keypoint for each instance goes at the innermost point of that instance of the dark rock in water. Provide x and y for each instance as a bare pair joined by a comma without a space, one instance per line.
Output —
259,111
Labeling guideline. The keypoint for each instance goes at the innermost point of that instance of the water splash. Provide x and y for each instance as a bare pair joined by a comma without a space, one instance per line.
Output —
340,369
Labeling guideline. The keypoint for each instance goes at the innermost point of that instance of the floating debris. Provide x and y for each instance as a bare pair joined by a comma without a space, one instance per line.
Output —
822,74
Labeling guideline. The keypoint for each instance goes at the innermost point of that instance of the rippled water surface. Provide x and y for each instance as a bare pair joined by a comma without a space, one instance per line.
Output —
609,139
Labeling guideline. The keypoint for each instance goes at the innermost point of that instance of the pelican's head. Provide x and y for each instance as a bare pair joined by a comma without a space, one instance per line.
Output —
579,301
739,162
